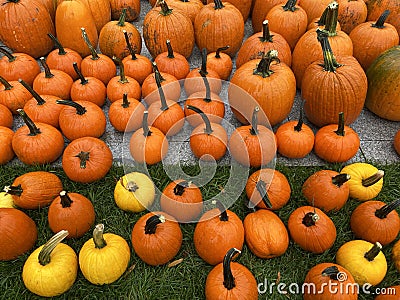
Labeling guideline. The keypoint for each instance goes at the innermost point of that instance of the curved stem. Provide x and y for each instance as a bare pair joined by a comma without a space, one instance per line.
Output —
254,121
208,129
122,77
121,21
33,130
65,199
387,209
261,187
300,123
165,10
13,190
371,180
180,187
264,66
98,239
83,157
35,95
80,110
380,23
170,51
373,252
152,222
219,50
93,51
266,34
340,179
229,280
340,131
330,63
47,72
331,18
79,73
45,252
61,50
218,4
310,219
207,98
7,85
157,75
125,101
128,44
290,5
332,272
204,61
224,215
9,55
145,125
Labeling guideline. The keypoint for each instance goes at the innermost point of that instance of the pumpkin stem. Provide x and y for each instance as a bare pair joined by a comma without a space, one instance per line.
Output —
155,68
218,4
322,19
145,125
79,73
261,187
223,215
373,252
266,34
340,179
122,77
61,50
204,61
130,48
290,5
371,180
93,51
229,280
208,129
157,75
310,219
330,63
380,23
33,130
98,239
263,67
65,199
333,272
47,72
13,190
254,121
125,102
207,98
387,209
300,123
121,21
219,50
80,110
44,254
35,95
165,10
9,55
331,18
152,222
83,157
130,185
180,187
7,85
170,51
340,130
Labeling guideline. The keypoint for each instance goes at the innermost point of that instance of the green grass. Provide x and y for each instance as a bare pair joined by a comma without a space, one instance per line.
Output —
186,280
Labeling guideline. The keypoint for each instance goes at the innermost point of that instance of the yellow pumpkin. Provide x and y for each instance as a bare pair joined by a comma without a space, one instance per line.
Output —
104,258
396,255
52,268
365,182
134,192
6,200
364,260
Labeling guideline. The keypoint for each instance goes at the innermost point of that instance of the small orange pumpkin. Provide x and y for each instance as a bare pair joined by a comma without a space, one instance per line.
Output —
6,150
126,114
220,62
13,95
172,63
6,117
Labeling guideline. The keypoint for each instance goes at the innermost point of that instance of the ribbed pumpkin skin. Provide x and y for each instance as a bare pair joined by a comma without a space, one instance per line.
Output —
6,117
24,27
314,8
23,67
101,12
260,10
384,85
189,8
132,6
15,97
242,5
351,14
6,151
376,8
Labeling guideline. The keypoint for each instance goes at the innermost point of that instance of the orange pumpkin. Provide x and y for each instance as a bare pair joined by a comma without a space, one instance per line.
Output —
172,63
126,114
132,9
101,12
6,117
377,7
6,150
260,10
189,8
220,62
13,95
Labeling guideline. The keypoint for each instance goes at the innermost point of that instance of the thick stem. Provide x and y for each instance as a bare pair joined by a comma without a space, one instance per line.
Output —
340,179
165,10
152,222
8,54
340,131
121,21
180,187
380,23
218,4
128,44
330,63
93,51
33,130
207,98
229,280
322,19
13,190
300,123
261,187
130,186
44,254
122,77
61,50
155,69
125,101
83,157
35,95
7,85
208,129
79,73
80,110
170,50
333,272
266,34
331,18
290,5
387,209
145,125
66,200
157,75
310,219
254,121
373,252
47,72
224,215
219,50
98,239
204,61
264,66
371,180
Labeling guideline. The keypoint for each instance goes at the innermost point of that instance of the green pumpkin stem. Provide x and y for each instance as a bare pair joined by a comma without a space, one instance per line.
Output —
264,66
132,52
204,61
79,73
371,180
229,280
47,72
35,95
218,4
219,50
330,63
44,256
98,239
93,51
223,214
340,179
61,50
380,23
310,219
164,104
80,110
340,131
83,157
65,199
266,37
261,187
254,121
122,77
180,187
322,20
121,20
7,85
145,125
170,50
331,18
152,222
8,54
333,272
208,129
125,101
387,209
165,10
207,98
300,122
373,252
33,130
290,5
13,190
